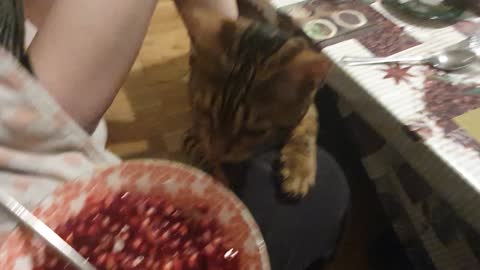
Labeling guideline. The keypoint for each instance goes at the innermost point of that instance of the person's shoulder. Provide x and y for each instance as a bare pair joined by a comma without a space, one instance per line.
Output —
12,73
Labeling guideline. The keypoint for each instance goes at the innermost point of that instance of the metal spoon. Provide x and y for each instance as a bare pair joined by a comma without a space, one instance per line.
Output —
33,223
447,60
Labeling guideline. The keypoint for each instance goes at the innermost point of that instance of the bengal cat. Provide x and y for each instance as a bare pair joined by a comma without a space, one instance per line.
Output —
252,84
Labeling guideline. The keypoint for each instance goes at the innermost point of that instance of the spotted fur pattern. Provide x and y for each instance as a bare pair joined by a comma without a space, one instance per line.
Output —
252,84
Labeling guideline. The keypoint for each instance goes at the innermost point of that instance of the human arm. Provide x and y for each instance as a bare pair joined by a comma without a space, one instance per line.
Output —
227,8
84,50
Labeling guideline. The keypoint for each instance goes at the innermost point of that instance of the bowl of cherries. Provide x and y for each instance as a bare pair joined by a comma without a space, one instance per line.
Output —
143,215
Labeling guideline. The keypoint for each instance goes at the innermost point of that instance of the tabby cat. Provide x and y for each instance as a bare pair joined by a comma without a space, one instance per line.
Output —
252,83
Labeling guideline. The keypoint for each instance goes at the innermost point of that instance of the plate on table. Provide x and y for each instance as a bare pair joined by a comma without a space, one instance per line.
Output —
430,9
148,214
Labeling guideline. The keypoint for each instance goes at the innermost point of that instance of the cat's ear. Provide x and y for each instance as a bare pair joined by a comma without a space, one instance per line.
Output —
299,79
309,65
210,31
292,87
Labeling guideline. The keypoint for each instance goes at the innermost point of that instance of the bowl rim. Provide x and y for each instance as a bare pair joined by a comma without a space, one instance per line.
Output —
252,224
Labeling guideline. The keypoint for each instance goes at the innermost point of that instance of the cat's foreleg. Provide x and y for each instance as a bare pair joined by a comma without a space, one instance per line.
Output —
299,156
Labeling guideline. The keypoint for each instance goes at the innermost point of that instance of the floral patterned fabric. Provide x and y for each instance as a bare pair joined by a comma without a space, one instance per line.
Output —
40,145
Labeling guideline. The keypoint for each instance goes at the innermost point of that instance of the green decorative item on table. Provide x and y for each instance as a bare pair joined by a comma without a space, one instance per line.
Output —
430,9
320,29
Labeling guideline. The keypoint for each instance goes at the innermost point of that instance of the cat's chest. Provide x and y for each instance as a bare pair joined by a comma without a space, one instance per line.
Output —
274,141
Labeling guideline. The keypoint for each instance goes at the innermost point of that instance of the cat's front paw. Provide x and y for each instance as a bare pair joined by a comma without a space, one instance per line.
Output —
298,176
296,185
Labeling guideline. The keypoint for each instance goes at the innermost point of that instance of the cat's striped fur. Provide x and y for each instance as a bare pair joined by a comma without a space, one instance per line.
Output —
252,83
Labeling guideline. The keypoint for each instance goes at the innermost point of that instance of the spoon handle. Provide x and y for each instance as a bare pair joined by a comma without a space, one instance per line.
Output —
34,224
355,61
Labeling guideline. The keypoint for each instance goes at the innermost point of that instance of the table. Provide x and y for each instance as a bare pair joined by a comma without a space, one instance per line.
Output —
419,133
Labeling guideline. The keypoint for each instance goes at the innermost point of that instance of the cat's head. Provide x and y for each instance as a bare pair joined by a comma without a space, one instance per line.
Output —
249,79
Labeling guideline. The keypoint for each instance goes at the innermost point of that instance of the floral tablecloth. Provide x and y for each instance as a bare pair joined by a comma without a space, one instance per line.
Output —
419,133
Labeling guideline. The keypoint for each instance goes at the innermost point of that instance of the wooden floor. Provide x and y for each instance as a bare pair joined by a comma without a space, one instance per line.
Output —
151,113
